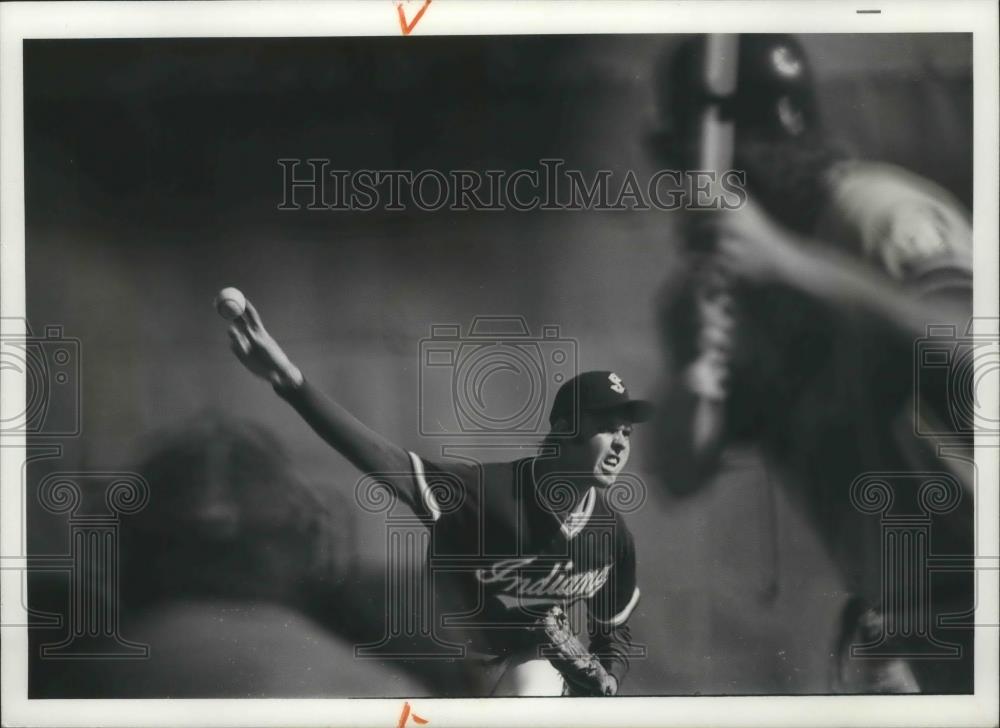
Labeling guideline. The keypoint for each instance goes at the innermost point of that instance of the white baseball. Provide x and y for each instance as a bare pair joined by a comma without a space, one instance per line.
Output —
230,303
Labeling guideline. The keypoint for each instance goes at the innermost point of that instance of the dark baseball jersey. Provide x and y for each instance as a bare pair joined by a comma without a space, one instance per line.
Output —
501,557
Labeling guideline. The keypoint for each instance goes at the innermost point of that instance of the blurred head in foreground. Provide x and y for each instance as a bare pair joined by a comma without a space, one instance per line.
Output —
227,518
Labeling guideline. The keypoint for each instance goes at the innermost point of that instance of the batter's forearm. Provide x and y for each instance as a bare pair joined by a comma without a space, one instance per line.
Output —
843,283
367,450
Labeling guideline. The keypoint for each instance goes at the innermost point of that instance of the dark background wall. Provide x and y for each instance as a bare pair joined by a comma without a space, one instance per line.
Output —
152,181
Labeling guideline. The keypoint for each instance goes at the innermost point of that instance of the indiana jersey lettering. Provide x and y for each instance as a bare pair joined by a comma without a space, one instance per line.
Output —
554,588
502,556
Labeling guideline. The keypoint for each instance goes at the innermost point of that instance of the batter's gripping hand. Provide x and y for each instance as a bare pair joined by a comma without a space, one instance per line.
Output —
583,673
259,352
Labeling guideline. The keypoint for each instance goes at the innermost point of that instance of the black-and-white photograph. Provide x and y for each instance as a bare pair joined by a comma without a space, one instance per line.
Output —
424,366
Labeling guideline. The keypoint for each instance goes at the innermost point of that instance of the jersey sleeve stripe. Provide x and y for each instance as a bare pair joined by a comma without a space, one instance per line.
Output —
622,616
426,495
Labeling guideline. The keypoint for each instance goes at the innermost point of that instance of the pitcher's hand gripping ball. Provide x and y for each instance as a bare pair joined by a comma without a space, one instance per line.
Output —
230,303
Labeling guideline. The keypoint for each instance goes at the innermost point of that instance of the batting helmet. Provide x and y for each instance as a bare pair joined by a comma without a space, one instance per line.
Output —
774,96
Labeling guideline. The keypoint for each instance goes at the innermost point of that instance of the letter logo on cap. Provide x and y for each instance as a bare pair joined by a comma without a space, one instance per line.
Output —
616,383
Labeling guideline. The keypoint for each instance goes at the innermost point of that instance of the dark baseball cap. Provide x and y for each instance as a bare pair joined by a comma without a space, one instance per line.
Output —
597,391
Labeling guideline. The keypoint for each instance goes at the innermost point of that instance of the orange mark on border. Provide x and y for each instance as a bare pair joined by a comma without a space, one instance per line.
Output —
407,28
406,706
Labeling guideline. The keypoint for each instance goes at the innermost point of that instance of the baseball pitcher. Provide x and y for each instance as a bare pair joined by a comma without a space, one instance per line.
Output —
524,541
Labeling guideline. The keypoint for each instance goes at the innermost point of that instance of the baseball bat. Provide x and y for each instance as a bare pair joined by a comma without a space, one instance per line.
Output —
716,149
